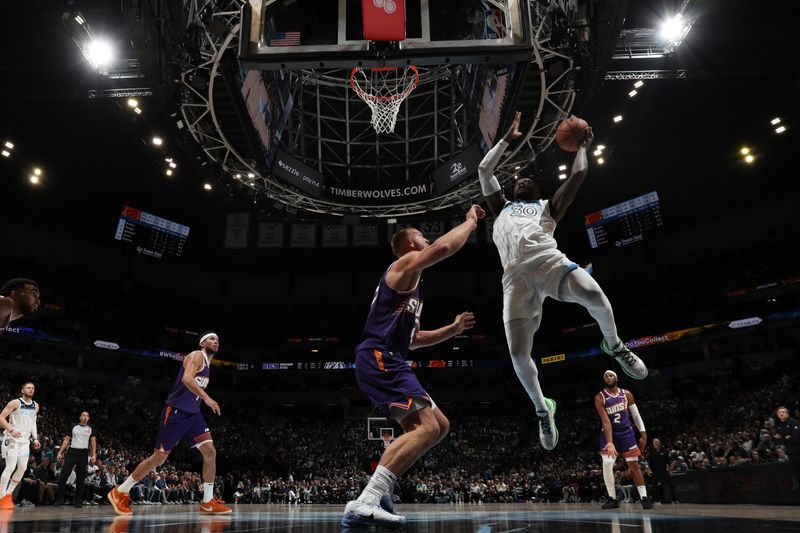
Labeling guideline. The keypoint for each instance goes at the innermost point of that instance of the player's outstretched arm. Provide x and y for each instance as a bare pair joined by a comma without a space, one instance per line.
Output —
445,246
489,185
601,410
566,194
422,338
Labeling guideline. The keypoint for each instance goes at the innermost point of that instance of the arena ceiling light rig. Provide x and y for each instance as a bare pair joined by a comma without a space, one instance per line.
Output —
305,120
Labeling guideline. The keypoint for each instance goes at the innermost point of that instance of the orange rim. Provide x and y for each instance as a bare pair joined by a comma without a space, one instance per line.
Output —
372,97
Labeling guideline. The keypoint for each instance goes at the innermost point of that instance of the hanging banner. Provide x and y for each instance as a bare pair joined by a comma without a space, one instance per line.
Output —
237,227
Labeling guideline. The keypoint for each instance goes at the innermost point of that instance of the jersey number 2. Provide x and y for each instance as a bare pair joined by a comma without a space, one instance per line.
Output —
617,417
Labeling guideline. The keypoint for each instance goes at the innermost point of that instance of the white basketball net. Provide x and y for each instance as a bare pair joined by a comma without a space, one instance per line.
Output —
384,89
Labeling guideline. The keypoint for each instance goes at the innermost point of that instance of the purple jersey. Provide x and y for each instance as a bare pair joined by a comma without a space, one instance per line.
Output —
182,398
617,410
393,318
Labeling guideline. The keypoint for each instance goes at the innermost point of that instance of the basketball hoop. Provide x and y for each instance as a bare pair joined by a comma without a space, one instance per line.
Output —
387,439
384,89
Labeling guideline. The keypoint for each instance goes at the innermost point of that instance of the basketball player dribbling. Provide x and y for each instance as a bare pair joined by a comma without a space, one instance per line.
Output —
617,408
382,373
535,269
19,298
181,420
18,420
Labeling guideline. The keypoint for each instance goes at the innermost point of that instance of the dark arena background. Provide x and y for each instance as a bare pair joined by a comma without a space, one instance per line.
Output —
171,167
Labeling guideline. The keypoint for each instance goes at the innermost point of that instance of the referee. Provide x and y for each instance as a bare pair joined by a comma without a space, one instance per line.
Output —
82,447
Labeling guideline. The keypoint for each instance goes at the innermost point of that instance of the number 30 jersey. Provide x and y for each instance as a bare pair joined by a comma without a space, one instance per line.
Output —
523,233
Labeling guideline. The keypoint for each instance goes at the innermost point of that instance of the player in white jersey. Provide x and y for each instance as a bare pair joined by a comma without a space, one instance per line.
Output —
18,421
534,269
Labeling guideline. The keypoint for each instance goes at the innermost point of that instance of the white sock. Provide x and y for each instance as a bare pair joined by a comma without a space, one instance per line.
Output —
208,492
642,491
608,475
380,483
127,485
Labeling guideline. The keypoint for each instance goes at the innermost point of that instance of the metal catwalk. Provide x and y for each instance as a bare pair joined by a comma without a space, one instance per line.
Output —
489,518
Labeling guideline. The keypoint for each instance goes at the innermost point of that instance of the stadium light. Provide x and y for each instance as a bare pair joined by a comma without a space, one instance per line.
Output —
6,153
562,168
157,141
600,161
37,171
168,172
138,111
34,179
780,129
172,165
749,158
9,145
601,147
562,176
633,93
597,152
133,102
674,31
80,20
617,119
638,84
251,175
99,53
207,186
775,121
744,150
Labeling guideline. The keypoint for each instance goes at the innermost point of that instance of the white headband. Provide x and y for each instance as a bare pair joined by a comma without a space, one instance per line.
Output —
207,335
604,373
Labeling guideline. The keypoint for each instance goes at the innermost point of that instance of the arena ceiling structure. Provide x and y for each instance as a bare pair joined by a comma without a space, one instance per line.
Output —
589,50
258,111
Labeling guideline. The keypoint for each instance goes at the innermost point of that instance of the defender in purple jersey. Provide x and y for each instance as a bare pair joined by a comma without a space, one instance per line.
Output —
181,421
617,409
382,371
19,298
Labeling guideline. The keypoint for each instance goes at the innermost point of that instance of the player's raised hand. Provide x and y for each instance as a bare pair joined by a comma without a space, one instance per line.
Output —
214,406
475,213
589,139
610,449
465,320
513,131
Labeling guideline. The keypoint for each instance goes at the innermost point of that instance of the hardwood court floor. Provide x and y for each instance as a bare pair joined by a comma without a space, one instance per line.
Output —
470,518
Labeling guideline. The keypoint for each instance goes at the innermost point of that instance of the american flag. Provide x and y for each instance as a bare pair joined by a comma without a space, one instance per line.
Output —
287,38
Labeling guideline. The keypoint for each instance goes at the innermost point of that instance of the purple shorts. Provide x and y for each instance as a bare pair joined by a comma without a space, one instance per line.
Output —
388,381
624,442
175,426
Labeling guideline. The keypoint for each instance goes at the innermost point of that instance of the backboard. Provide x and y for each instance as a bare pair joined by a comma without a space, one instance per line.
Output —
278,34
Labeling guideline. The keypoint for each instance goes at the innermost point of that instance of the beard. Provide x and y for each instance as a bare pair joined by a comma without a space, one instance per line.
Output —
526,196
211,351
612,384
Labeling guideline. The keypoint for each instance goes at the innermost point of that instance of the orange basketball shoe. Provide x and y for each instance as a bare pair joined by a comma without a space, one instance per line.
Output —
214,507
119,501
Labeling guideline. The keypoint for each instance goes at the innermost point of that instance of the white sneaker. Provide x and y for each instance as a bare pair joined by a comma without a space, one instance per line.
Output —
629,361
367,511
548,432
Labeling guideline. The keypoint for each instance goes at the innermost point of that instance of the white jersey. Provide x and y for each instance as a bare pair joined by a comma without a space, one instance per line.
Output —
23,419
523,234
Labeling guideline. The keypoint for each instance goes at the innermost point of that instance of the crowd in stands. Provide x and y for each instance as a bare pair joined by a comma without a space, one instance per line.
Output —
707,420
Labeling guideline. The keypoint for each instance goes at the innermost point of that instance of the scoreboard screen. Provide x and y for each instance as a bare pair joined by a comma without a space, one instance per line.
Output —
625,223
151,235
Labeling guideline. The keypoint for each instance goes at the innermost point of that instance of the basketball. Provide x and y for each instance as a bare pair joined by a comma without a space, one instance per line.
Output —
571,133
